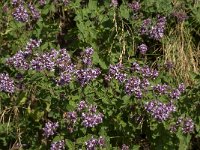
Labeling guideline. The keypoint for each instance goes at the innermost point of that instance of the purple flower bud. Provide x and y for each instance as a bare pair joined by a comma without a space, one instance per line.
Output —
6,84
135,6
143,48
82,105
21,14
181,87
50,128
60,145
87,56
188,126
125,147
175,94
72,117
93,142
114,3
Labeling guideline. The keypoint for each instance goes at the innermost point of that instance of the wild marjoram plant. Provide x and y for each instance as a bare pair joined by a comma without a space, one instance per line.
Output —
80,74
131,99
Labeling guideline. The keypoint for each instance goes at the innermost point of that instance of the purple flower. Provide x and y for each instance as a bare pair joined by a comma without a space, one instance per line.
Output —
72,117
125,147
87,54
135,6
114,3
145,28
64,61
181,87
175,94
91,119
115,71
45,61
84,76
42,2
50,128
31,45
6,84
34,12
148,72
133,86
135,67
160,111
188,126
60,145
143,48
160,89
18,61
82,105
21,14
65,78
93,142
157,31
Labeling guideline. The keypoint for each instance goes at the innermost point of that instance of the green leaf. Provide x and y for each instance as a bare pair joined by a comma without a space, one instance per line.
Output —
124,11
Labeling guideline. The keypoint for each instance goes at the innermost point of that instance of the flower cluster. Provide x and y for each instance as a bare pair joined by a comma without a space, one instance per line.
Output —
160,89
135,6
93,142
114,3
160,111
21,14
87,60
154,31
50,128
18,61
125,147
31,44
6,84
90,117
45,61
157,31
34,12
187,125
143,48
115,71
60,145
145,71
133,86
72,117
84,76
42,2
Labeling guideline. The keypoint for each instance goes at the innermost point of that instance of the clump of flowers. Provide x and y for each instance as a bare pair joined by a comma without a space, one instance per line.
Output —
125,147
155,31
84,76
20,14
87,113
161,89
45,61
160,111
114,3
50,128
60,145
6,84
87,54
116,71
93,142
186,124
135,6
143,49
18,61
